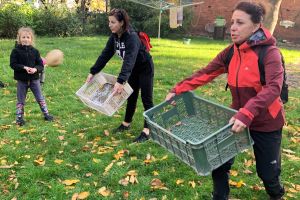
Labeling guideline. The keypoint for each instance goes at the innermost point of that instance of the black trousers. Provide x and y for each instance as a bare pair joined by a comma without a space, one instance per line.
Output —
140,80
268,166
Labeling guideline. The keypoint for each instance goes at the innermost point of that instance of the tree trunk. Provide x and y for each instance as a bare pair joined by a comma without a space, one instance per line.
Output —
272,13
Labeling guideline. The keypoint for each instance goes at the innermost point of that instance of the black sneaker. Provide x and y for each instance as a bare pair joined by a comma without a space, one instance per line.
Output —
142,137
121,128
20,121
48,118
2,85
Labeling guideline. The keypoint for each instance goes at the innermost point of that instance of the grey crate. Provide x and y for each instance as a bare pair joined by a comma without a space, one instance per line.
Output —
197,132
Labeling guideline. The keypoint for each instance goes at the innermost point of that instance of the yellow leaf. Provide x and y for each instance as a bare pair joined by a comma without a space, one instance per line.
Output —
179,181
70,182
106,170
104,191
292,190
83,195
57,161
247,171
192,184
233,172
240,184
132,173
288,151
164,158
62,131
88,174
248,163
95,160
133,158
74,196
40,161
155,173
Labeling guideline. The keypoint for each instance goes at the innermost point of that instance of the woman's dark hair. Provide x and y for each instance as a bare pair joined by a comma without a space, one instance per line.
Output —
121,15
256,11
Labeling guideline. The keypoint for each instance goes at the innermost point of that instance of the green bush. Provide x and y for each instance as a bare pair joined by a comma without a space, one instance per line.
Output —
57,21
12,17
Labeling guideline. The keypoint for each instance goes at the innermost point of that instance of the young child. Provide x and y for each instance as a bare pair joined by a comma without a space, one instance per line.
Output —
26,62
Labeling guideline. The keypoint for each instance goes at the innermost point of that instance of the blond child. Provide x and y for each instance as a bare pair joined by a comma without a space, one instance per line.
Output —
26,62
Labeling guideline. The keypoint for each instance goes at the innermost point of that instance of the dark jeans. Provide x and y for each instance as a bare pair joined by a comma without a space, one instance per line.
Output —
140,80
268,166
22,89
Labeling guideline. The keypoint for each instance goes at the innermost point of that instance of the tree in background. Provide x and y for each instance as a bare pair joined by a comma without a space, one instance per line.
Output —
272,13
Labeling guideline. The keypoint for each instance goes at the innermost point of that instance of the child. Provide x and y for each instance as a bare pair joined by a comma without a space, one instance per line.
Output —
26,62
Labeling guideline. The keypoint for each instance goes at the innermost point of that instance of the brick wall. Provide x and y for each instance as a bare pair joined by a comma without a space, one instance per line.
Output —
206,13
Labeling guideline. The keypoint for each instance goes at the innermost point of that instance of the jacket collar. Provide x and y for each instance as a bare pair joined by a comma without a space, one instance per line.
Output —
261,37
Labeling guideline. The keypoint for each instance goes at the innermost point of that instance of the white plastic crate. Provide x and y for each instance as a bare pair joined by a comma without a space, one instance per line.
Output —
97,94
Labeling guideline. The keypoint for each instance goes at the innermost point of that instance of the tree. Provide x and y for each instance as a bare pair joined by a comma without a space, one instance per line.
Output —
272,12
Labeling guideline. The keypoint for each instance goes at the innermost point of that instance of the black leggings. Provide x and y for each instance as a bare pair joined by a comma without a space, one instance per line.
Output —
267,154
140,80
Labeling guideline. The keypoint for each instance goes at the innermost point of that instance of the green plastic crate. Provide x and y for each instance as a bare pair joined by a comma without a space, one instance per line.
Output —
196,131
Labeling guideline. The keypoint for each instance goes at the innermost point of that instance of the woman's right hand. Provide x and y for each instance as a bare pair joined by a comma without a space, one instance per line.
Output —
170,96
89,78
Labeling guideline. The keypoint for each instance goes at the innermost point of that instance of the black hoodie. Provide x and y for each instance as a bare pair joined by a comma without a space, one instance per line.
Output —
22,56
130,49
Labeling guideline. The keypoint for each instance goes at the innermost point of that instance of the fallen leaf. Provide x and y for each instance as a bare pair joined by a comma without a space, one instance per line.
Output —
40,161
57,161
124,182
106,170
179,181
288,151
155,173
125,195
233,172
61,137
88,174
192,184
95,160
70,182
83,195
74,196
247,171
106,132
157,184
104,191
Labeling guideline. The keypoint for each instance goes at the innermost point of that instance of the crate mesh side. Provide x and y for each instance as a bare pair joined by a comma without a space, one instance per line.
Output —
207,118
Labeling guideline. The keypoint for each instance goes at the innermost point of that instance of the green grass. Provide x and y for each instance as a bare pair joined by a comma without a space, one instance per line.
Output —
83,129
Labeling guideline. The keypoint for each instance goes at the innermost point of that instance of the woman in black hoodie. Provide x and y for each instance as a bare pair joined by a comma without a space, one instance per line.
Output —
137,68
26,62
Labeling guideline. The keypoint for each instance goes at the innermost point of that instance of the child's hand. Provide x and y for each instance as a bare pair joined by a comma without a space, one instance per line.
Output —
32,70
27,69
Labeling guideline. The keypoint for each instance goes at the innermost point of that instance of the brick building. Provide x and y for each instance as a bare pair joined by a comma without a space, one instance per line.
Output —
206,13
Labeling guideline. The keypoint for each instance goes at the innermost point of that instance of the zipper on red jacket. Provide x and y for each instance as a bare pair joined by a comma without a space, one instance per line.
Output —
237,79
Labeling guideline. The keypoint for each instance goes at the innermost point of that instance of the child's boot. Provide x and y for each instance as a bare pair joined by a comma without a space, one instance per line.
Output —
20,112
45,111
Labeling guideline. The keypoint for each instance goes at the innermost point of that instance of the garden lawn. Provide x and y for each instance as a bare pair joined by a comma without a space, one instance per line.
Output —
77,155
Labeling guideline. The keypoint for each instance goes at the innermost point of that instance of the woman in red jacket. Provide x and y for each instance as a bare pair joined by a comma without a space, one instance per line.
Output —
259,106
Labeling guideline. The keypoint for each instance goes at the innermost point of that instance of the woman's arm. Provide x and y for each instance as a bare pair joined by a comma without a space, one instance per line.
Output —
105,56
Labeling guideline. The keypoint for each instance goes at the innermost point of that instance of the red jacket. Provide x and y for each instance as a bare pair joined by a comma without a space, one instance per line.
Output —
259,107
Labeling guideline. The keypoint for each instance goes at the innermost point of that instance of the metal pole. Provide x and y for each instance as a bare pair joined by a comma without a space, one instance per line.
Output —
159,20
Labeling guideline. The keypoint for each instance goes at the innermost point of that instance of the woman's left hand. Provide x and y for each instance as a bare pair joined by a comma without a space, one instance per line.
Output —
118,88
238,126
